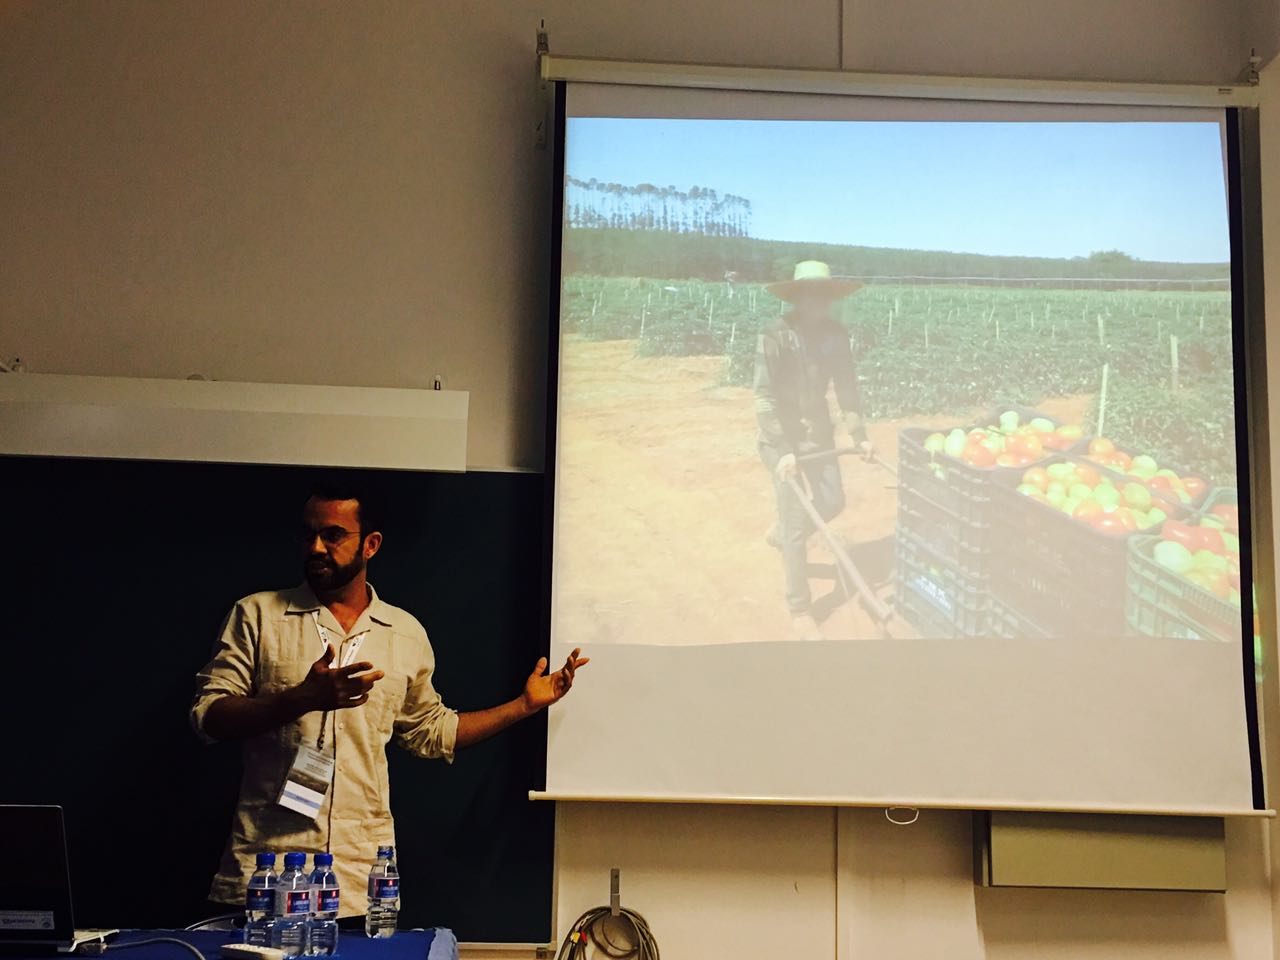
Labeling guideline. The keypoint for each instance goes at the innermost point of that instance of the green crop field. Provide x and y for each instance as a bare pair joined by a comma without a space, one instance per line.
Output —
933,348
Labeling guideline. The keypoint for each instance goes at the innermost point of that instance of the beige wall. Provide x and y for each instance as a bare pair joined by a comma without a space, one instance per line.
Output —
346,193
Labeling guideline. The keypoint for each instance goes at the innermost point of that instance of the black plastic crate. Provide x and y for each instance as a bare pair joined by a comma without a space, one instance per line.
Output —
1052,569
1163,604
1009,624
961,490
934,596
954,539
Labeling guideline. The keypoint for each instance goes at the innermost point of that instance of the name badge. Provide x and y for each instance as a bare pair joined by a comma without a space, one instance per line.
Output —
307,782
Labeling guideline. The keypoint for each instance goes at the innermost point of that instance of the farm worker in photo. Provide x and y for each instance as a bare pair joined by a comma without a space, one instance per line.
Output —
796,362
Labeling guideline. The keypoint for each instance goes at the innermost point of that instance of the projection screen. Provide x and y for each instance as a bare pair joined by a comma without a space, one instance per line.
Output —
897,449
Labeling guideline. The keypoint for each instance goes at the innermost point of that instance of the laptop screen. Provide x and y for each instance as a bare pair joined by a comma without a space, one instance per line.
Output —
35,896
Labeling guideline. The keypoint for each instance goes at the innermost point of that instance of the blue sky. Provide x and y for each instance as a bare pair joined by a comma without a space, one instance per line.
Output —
1153,190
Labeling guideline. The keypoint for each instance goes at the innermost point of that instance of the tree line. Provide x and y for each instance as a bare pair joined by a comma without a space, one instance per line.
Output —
603,251
698,210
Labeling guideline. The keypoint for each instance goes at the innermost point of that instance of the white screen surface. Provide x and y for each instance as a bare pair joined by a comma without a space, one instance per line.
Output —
1046,565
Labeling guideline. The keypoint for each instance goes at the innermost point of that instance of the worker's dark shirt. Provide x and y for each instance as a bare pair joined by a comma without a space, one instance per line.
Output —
795,365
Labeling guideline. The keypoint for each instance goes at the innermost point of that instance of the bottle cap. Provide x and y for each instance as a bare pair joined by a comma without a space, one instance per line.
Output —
294,859
266,860
386,851
324,859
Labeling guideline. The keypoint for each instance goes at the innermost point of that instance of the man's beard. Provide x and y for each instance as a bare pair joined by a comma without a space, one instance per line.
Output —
325,576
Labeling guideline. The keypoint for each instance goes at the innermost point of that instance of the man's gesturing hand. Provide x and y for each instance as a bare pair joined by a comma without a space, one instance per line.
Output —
543,689
328,689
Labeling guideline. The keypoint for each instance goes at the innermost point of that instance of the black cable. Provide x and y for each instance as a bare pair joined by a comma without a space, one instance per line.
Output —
590,928
143,943
204,923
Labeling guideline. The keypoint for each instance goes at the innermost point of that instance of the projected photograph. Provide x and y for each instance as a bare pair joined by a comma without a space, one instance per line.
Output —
839,381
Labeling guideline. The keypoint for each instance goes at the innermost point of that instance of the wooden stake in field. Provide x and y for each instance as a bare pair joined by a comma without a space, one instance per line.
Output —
644,314
926,336
1102,400
1173,362
1102,330
711,315
890,333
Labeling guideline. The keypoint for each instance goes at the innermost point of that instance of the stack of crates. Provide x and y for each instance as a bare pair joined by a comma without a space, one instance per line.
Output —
1163,604
1051,571
944,537
942,541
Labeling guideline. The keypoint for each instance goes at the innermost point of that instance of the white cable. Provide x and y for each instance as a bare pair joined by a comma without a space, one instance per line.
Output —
888,815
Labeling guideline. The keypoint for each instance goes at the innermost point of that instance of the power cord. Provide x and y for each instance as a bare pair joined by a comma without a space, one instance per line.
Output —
201,924
621,936
103,947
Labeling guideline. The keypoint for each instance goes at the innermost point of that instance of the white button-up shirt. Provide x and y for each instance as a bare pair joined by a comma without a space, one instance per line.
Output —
267,644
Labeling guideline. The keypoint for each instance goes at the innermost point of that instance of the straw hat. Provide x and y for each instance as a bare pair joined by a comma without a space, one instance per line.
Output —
812,276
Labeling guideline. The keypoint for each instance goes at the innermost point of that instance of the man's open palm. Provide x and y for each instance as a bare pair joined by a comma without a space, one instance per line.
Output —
543,689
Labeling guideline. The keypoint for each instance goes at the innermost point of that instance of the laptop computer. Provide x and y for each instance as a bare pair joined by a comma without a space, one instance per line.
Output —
35,884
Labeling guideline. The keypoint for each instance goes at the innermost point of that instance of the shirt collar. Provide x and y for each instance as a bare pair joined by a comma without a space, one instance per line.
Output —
302,599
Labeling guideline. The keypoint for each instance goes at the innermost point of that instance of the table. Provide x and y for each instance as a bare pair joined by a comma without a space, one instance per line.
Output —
439,944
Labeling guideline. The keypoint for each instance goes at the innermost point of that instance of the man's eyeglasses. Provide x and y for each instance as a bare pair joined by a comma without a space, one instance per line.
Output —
329,536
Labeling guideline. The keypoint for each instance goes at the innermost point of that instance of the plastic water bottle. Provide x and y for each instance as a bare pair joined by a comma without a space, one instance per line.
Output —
384,895
293,907
260,902
324,907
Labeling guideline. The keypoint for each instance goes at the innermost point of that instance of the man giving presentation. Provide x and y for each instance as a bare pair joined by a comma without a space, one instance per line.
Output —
315,681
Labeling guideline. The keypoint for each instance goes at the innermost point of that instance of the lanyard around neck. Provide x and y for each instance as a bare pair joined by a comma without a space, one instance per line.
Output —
344,656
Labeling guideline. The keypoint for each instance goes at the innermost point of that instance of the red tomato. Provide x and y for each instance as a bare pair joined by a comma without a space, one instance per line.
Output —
1211,539
1009,460
1121,460
1101,445
1088,475
1087,512
1125,514
1194,487
977,455
1110,524
1181,533
1027,445
1229,515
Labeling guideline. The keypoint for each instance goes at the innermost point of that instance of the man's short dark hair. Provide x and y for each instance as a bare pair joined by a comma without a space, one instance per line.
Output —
368,511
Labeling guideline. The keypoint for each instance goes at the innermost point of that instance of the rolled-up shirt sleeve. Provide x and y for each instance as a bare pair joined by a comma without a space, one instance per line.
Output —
230,671
425,726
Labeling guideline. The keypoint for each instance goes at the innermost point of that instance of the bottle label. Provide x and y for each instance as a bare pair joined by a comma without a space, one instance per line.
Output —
260,899
384,888
295,903
327,900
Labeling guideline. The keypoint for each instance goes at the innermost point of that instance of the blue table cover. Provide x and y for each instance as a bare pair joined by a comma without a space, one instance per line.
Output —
437,944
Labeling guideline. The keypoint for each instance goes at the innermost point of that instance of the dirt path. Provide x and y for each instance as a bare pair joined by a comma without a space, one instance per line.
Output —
660,537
